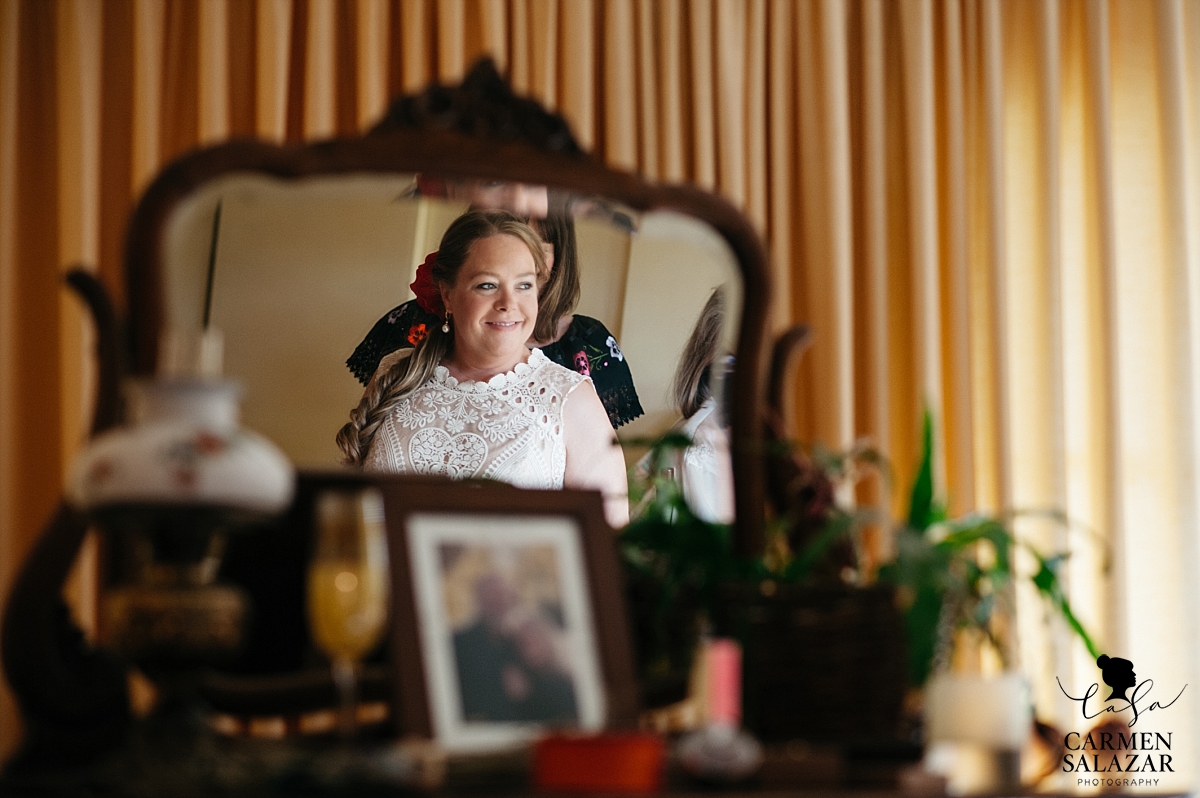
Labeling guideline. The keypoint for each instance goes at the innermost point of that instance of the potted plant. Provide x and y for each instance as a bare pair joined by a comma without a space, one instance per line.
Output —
829,656
955,580
823,658
955,575
674,562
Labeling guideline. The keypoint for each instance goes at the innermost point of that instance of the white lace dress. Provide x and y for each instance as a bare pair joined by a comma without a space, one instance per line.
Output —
509,428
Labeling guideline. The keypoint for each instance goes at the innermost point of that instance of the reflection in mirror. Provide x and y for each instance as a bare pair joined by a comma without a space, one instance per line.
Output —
527,200
296,273
703,470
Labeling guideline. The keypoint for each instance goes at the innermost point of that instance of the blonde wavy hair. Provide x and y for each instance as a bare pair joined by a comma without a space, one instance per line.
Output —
414,367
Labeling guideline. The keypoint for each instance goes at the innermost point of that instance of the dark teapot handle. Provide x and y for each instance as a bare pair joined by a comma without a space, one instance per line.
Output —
73,698
110,340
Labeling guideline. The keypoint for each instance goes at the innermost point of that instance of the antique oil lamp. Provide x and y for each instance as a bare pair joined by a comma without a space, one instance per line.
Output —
167,489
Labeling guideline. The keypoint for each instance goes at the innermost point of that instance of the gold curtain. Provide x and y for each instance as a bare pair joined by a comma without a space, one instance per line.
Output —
988,208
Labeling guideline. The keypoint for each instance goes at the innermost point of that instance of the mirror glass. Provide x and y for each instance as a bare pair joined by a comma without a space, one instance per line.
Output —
296,272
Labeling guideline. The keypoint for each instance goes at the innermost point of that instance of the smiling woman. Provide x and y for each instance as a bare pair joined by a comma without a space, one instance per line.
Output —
493,303
579,342
470,399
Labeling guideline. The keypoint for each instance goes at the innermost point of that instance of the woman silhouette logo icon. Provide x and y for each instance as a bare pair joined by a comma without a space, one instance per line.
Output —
1118,674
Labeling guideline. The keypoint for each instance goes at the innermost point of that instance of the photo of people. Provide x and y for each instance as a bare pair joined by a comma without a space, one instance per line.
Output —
506,623
509,641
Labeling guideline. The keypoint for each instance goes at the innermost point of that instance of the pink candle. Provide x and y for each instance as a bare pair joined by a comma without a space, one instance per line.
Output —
724,682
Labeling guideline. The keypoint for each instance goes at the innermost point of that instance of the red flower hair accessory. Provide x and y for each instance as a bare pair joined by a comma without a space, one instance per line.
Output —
425,288
417,334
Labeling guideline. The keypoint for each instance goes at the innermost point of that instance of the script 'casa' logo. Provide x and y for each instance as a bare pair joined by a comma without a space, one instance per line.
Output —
1118,674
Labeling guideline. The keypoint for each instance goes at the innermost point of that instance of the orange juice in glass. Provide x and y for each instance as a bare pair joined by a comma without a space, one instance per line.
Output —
348,587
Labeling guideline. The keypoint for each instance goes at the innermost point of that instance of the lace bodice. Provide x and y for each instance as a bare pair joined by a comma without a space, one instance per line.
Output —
587,347
508,428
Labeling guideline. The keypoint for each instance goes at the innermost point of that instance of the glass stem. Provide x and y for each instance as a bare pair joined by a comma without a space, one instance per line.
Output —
345,678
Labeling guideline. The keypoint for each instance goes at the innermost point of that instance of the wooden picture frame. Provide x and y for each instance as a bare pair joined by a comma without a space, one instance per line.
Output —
427,677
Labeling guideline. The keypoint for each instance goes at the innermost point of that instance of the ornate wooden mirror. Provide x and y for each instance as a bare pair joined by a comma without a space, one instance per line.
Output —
295,251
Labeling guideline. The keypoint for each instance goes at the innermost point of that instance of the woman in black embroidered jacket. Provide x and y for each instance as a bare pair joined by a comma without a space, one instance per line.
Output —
580,343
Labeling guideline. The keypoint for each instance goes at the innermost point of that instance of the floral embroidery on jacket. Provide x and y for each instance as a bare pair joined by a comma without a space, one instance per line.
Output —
613,349
581,363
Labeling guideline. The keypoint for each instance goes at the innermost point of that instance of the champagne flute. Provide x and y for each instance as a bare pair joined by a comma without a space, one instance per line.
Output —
348,588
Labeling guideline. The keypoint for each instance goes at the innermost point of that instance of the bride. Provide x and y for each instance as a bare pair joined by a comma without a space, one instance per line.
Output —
471,399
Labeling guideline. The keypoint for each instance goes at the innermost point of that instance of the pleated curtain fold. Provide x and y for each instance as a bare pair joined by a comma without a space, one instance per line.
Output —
987,209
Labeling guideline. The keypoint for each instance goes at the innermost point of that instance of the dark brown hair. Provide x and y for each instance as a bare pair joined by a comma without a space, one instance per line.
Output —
691,385
560,293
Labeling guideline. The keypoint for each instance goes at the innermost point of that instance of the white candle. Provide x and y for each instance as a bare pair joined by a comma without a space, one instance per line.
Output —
992,711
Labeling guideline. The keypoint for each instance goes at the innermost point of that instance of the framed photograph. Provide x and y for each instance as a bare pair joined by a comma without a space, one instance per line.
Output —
508,614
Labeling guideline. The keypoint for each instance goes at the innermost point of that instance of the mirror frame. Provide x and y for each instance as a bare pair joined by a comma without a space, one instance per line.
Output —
478,129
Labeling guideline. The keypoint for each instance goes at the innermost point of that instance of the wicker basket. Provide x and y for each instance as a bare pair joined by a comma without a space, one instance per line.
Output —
822,664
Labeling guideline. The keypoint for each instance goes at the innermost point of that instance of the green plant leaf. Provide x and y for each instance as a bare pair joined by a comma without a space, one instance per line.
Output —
922,621
951,574
923,511
1046,581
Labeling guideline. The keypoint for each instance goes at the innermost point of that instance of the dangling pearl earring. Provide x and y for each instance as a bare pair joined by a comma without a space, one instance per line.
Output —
446,323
